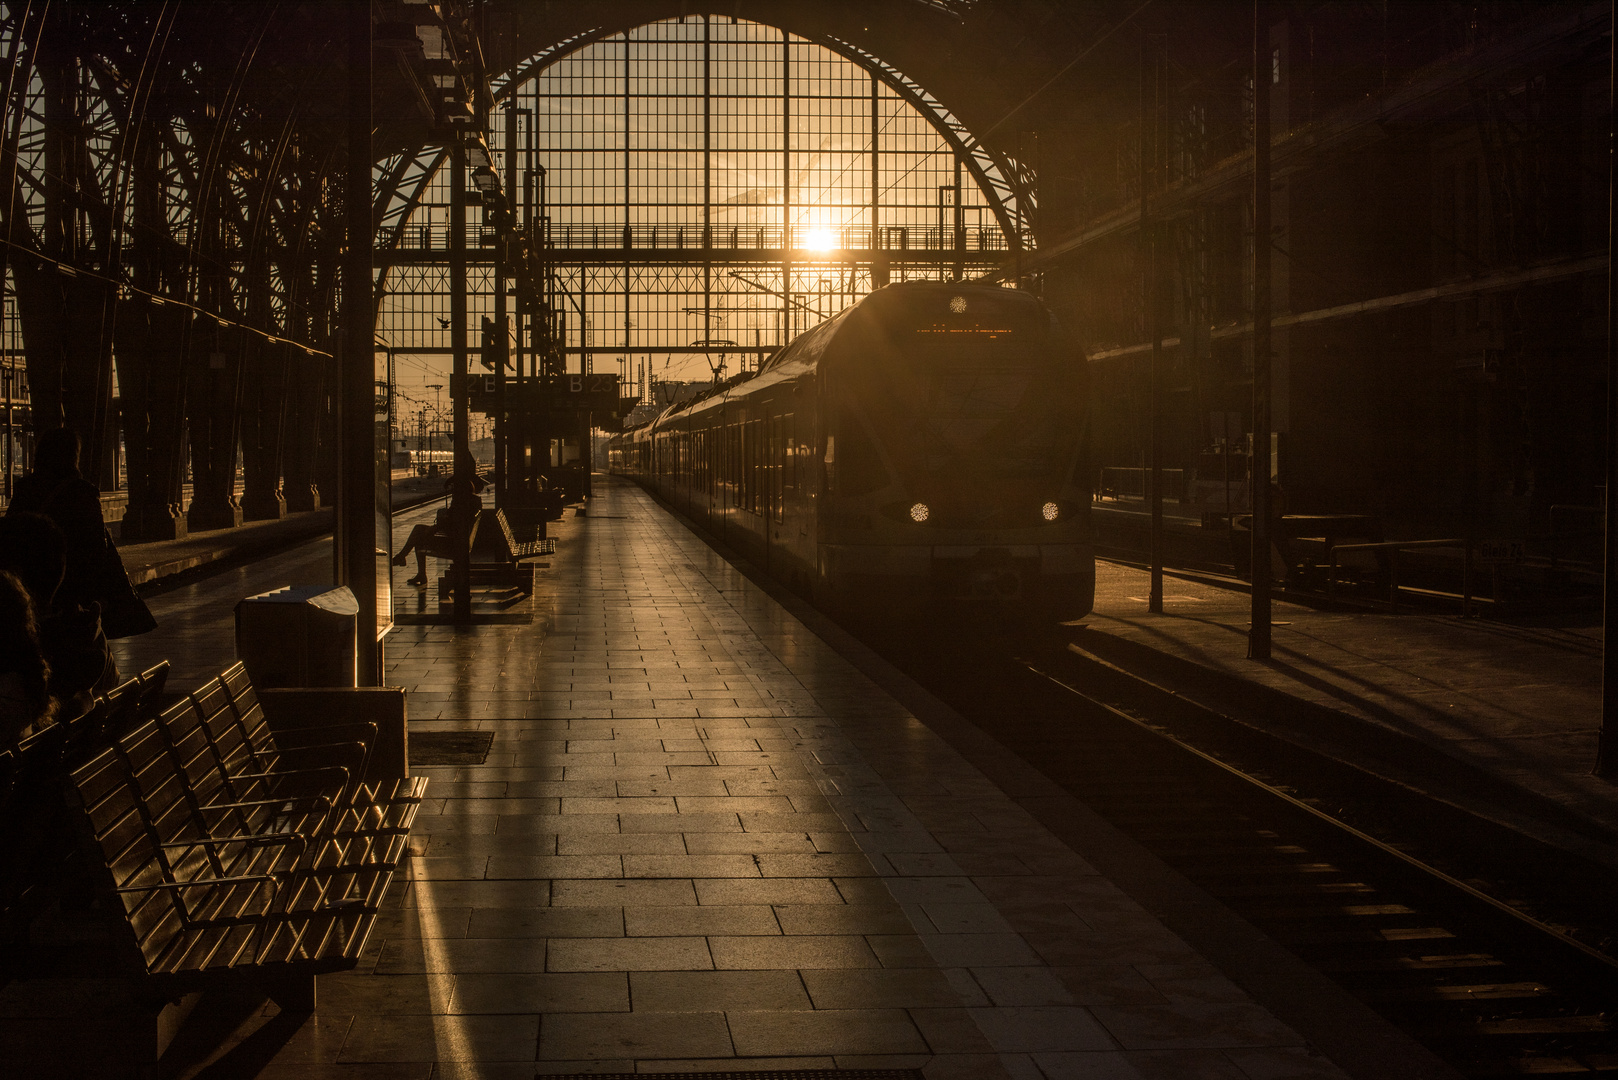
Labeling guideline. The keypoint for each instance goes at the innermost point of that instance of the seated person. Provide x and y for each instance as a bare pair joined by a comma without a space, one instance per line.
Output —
435,539
427,540
81,664
25,699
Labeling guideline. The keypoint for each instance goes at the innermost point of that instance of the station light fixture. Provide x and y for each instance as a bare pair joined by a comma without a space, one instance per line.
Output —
485,180
1050,511
920,513
477,152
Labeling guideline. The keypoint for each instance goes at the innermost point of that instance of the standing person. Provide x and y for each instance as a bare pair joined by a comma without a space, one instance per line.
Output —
95,574
70,636
57,489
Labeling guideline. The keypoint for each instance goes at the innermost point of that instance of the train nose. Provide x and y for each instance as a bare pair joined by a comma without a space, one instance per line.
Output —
1001,584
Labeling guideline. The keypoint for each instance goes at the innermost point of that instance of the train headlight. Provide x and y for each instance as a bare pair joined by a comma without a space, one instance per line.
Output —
920,513
1050,511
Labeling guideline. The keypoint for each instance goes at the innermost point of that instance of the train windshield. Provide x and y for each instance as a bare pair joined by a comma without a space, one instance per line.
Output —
977,411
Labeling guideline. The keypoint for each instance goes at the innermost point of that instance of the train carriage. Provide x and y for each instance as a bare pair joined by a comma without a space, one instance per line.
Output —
924,447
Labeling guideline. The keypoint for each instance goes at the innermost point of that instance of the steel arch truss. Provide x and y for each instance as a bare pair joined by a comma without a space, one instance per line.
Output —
1008,183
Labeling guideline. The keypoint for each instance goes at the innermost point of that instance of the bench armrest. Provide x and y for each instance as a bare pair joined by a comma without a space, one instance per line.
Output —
199,883
383,706
294,736
292,772
291,800
240,838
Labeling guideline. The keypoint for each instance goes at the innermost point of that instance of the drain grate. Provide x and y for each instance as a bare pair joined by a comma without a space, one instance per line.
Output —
761,1074
450,747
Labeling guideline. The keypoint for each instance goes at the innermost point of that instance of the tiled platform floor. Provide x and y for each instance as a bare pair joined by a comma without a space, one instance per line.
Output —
675,857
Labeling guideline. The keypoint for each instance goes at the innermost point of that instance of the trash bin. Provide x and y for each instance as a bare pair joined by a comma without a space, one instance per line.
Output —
299,636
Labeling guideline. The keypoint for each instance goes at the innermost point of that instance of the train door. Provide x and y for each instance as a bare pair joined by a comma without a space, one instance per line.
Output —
779,471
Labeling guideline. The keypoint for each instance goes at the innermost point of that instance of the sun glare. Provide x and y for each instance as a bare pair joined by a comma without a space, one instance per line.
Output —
821,240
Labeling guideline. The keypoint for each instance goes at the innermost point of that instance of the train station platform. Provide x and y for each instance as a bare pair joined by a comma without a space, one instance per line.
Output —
680,822
1465,708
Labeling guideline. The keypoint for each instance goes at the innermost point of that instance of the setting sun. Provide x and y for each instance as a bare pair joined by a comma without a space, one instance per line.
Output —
820,240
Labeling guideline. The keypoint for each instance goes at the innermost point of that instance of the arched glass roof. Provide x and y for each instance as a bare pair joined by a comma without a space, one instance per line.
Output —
719,133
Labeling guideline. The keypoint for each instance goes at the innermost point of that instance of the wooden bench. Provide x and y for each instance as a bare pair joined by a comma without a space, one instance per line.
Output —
36,871
266,777
498,558
233,857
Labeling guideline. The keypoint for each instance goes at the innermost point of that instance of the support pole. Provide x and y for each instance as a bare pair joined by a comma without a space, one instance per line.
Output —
502,271
959,270
462,501
1607,747
356,531
876,190
707,193
786,191
1258,635
1152,299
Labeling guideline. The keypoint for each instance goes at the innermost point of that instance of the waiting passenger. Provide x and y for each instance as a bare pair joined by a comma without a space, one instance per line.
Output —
81,664
56,489
427,540
25,698
95,574
436,539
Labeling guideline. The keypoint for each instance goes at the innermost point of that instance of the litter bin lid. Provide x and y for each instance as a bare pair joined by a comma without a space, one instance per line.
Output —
338,601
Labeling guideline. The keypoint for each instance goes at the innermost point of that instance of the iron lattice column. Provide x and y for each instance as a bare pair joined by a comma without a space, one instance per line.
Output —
357,489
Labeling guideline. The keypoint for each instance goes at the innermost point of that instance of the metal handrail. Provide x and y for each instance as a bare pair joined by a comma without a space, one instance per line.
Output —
1393,547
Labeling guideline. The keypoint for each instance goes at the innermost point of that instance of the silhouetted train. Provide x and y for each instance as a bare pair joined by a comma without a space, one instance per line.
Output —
926,444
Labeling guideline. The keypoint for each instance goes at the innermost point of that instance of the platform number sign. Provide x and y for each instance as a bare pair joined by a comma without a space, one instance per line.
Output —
597,393
1500,551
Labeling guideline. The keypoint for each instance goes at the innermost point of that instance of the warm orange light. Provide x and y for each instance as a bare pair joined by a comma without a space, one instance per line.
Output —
820,240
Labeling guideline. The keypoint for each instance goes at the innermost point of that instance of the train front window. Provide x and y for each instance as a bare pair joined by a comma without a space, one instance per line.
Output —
972,427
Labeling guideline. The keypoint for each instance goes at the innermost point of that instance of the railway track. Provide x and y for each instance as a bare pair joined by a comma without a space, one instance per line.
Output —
1487,948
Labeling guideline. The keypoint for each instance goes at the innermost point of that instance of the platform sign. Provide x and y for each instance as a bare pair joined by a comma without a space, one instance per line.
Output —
1500,551
565,393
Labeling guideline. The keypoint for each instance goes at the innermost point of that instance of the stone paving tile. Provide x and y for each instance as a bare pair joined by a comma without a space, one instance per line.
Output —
642,1034
748,843
846,1031
541,992
441,1038
403,956
905,988
729,919
712,991
630,954
541,922
691,866
767,891
797,951
884,919
702,840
